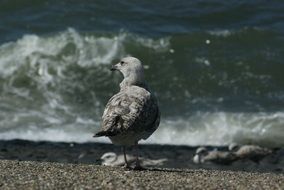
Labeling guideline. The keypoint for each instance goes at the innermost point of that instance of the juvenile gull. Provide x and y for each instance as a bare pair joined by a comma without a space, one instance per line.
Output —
251,152
203,155
133,113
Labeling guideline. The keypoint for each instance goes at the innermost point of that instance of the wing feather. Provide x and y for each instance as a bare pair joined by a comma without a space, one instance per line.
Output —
134,109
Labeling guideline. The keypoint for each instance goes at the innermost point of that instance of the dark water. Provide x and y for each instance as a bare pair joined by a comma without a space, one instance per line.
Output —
216,66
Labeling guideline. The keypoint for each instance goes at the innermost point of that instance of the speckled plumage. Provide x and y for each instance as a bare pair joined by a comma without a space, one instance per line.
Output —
252,152
220,157
132,114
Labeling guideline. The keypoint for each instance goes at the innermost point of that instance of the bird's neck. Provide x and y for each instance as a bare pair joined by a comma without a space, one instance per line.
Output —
133,80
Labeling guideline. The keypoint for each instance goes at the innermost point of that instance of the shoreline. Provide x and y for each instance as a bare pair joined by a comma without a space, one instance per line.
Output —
47,175
178,157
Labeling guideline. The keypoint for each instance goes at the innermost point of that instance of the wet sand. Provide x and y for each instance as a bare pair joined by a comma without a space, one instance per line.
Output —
90,153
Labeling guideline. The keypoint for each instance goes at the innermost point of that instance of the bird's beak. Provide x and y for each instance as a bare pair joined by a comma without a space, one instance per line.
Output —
99,161
113,67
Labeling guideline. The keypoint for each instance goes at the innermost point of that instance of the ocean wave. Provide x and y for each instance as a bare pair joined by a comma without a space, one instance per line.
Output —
222,128
54,88
49,82
69,47
202,128
222,33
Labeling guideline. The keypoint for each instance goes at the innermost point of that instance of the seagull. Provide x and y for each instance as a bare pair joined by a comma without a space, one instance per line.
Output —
112,159
252,152
203,155
133,113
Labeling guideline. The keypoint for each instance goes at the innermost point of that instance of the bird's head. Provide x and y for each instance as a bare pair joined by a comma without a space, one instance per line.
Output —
201,151
108,158
131,68
199,155
233,147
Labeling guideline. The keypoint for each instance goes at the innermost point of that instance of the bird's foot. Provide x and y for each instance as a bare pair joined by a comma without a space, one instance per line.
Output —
127,167
138,167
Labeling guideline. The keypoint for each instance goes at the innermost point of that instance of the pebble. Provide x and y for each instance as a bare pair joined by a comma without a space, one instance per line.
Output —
47,175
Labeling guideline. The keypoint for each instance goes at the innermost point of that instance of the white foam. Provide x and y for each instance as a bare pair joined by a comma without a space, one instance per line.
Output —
203,60
218,128
39,52
49,134
160,45
42,52
221,33
221,128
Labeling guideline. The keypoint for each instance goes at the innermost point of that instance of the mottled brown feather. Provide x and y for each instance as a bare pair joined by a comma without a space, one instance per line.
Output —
137,110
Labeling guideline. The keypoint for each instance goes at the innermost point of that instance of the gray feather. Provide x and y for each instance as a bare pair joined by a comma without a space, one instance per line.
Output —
137,109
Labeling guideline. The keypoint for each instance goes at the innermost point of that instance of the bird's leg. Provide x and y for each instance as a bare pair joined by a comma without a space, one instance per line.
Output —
137,163
126,165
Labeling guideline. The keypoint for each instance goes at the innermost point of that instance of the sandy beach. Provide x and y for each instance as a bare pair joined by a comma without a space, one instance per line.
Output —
46,165
46,175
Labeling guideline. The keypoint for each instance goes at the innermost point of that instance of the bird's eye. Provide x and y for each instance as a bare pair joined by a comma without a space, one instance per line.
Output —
122,62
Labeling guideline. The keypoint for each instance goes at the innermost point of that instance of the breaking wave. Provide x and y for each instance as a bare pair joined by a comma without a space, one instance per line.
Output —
54,88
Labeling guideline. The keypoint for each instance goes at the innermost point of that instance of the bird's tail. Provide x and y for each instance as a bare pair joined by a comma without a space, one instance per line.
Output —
104,133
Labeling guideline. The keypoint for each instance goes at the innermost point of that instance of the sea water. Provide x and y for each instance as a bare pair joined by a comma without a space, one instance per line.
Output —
215,66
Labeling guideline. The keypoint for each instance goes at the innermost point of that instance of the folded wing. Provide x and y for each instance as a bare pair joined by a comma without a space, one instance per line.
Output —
132,109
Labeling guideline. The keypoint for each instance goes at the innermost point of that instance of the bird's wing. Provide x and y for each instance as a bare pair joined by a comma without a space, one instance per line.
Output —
133,109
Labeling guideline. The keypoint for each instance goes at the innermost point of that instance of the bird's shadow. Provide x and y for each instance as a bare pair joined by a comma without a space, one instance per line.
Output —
161,170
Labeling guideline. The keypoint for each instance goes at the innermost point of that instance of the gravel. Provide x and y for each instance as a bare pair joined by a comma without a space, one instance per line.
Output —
48,175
